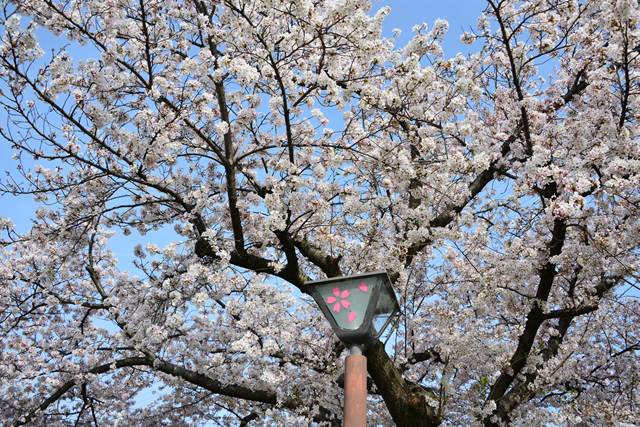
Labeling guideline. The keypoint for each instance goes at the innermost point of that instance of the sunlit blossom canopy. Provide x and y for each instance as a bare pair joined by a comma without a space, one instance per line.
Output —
183,169
359,307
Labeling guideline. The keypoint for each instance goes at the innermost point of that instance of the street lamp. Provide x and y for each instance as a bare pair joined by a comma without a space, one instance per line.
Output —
359,309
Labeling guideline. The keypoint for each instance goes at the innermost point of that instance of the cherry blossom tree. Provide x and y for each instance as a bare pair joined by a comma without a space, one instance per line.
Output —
277,142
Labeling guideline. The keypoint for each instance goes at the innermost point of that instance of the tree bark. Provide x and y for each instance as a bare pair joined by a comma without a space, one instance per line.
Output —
408,404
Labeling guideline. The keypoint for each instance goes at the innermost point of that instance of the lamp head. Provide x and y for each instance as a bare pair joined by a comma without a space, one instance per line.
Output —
359,308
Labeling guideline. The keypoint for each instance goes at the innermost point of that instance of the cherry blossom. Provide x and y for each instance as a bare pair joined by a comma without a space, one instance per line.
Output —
194,164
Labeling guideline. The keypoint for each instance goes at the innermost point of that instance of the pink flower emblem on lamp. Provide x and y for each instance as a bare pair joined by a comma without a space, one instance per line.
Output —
339,300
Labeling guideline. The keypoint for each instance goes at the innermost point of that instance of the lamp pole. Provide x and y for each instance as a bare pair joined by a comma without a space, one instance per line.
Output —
355,389
359,309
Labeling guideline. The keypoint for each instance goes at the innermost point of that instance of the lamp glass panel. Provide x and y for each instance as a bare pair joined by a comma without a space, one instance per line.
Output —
386,303
347,300
379,322
385,308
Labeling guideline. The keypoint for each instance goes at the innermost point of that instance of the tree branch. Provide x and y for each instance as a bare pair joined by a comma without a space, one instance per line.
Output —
192,377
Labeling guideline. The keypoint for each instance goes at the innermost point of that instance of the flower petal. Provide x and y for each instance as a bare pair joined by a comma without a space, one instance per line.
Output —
336,307
363,287
345,294
352,316
331,300
336,291
345,303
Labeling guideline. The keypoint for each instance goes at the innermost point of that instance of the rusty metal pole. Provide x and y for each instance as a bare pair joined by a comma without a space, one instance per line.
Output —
355,389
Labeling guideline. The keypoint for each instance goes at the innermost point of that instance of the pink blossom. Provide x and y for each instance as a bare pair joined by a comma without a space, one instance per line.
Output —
339,300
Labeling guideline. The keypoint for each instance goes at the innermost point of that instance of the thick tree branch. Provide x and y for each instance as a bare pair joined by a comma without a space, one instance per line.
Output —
534,319
192,377
447,216
522,391
407,403
328,264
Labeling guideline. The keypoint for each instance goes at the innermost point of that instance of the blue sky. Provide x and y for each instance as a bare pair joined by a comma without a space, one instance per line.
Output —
461,15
